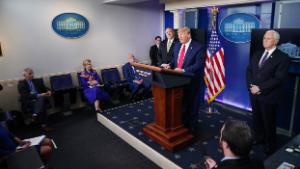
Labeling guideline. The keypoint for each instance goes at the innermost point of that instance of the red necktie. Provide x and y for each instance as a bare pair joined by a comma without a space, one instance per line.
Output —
181,58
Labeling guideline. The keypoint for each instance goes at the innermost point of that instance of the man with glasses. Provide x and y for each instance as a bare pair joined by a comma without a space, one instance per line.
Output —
165,51
33,93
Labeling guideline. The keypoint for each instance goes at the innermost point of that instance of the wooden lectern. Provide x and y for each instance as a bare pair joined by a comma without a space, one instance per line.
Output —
167,90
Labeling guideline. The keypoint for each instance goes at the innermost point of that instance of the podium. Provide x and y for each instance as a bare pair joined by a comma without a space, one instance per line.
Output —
167,89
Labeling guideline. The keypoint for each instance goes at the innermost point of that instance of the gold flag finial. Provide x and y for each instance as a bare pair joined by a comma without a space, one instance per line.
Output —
214,12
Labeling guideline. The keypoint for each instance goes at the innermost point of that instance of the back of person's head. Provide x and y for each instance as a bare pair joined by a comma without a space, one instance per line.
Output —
237,134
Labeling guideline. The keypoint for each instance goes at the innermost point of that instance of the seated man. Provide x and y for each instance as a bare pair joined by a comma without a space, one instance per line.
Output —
136,83
33,93
236,143
10,142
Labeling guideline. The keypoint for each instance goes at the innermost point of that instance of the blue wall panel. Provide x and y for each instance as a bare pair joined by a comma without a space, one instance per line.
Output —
191,19
237,56
169,19
203,18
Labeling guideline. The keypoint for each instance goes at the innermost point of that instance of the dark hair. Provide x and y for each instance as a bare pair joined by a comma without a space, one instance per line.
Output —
156,37
238,136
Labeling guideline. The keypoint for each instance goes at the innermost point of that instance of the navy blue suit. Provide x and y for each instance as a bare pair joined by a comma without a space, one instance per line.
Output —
8,144
153,55
130,75
269,78
193,63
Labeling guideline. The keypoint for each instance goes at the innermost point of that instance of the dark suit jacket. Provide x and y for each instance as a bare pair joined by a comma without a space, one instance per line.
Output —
153,55
241,164
163,56
128,72
269,77
193,60
24,90
192,64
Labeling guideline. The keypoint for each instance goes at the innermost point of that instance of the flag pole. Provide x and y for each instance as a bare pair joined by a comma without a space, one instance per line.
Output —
211,109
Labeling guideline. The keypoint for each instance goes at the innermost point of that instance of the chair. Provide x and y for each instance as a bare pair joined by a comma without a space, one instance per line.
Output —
113,83
61,82
64,91
27,105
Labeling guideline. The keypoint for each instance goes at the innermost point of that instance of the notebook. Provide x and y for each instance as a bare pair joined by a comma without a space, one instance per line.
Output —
34,141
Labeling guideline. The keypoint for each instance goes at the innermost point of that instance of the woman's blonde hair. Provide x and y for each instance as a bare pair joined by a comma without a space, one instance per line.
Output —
86,61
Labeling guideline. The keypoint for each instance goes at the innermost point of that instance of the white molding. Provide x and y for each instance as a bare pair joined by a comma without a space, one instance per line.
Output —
173,5
120,2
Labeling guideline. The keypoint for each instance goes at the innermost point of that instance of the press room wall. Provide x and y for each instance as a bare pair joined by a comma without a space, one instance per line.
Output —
27,38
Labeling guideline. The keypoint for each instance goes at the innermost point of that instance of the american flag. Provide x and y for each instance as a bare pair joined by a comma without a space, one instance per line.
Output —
214,72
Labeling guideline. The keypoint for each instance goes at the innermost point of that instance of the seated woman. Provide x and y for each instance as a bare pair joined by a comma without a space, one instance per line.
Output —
90,82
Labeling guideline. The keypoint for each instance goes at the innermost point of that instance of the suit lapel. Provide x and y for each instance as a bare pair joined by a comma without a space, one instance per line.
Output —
27,84
176,51
172,46
188,53
165,46
269,60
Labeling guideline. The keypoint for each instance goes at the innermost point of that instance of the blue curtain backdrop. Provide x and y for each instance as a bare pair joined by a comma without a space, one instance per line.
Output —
237,56
169,19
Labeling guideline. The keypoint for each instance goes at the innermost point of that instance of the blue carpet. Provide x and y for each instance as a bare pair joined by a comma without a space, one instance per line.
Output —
133,117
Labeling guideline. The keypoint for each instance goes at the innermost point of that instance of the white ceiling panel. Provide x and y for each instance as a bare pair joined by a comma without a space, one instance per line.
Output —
123,1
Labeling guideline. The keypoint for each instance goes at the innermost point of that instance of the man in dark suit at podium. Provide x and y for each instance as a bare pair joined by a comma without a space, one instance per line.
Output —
165,51
266,73
188,58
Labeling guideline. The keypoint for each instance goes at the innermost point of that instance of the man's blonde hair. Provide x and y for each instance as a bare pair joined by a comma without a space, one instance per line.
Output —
184,29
